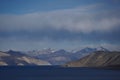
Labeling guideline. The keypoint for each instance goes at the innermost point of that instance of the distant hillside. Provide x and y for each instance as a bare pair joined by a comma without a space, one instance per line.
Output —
16,58
98,59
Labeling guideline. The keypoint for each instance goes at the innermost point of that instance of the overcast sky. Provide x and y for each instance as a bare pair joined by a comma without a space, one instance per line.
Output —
59,24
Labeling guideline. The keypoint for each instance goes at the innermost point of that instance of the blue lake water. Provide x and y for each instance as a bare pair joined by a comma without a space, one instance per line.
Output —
56,73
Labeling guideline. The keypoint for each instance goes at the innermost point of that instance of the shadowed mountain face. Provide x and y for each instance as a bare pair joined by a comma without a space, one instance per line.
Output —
97,59
17,58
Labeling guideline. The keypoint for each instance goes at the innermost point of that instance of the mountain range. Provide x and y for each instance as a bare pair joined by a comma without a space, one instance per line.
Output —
47,56
59,57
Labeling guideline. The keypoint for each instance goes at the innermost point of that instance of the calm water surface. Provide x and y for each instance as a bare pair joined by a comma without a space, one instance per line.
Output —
56,73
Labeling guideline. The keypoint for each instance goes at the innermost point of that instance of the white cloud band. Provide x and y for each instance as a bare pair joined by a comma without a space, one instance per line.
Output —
81,19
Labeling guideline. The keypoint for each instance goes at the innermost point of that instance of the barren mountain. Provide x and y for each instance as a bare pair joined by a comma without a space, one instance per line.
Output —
14,59
98,59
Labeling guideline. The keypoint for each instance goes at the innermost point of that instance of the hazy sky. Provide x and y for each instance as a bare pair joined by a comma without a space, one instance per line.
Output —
69,24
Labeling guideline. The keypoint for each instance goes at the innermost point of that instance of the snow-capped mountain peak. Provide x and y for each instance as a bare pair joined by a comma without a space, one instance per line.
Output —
101,49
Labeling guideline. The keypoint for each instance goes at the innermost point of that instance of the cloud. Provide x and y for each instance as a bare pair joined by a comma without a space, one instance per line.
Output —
85,19
66,28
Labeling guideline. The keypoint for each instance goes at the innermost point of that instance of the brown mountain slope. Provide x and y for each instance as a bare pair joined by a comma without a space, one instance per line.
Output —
97,59
8,59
